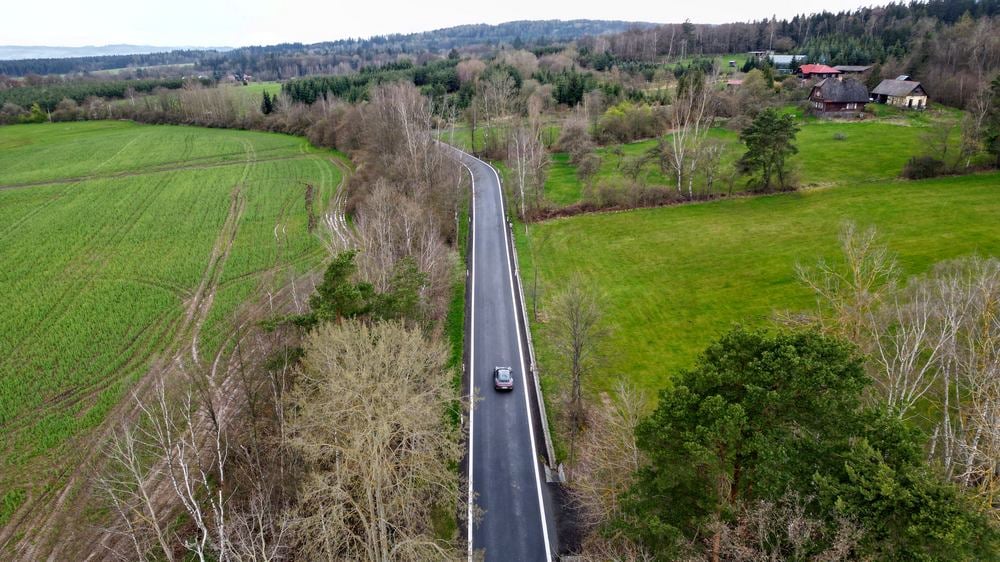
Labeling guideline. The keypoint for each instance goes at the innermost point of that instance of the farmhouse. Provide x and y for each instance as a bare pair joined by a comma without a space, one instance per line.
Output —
808,71
901,93
832,97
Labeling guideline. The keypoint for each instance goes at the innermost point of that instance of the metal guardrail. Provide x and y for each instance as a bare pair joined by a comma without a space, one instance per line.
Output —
549,449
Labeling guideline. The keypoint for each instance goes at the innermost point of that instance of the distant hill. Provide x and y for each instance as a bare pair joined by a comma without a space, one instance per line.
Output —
284,60
20,52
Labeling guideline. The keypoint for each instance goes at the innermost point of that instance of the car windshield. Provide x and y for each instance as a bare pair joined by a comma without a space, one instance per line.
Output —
503,375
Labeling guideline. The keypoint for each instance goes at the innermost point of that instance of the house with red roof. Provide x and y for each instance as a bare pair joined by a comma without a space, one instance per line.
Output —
807,71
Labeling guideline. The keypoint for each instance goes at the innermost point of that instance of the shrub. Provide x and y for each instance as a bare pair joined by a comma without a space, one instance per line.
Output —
922,167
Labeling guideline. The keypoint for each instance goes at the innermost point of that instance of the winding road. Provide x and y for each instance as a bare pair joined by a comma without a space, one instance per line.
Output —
507,476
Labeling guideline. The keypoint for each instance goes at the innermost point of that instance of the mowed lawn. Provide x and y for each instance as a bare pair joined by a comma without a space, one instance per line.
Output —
867,151
108,232
674,278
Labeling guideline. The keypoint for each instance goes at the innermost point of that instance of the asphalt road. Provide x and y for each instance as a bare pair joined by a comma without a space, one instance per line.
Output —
508,478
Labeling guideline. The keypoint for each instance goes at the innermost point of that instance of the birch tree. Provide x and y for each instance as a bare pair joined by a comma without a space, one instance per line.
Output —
173,454
527,160
690,117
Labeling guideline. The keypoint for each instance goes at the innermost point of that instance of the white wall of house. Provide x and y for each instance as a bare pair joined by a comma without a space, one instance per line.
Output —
908,101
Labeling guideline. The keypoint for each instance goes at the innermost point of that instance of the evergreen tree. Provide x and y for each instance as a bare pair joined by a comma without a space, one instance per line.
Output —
762,414
991,128
769,141
267,106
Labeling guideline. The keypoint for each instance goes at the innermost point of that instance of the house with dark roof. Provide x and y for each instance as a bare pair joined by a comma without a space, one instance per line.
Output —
831,97
808,71
852,68
901,93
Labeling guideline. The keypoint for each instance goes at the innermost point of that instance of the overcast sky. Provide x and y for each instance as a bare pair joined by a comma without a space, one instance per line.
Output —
74,23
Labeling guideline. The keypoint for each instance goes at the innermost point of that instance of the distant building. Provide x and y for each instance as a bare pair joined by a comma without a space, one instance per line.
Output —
760,55
901,93
783,63
831,97
807,71
852,69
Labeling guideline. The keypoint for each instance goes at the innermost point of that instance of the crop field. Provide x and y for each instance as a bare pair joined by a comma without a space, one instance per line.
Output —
830,153
674,278
124,243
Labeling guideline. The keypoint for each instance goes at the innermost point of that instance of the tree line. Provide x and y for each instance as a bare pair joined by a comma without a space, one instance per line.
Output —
48,96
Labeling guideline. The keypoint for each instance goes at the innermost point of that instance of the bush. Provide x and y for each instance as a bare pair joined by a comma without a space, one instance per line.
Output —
922,167
626,122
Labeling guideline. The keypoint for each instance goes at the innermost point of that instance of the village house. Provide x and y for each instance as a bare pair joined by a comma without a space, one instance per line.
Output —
901,93
831,97
807,71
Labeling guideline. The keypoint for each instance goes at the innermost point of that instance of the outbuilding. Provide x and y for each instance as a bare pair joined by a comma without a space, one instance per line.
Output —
901,93
852,68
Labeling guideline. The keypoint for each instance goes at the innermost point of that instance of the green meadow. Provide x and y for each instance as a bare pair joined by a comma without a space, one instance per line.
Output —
674,278
830,153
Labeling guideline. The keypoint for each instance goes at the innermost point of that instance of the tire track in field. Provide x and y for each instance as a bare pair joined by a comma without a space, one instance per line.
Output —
86,270
15,225
65,504
188,327
336,219
204,296
173,167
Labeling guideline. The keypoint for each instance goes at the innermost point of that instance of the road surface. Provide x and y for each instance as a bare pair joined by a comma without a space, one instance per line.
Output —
505,449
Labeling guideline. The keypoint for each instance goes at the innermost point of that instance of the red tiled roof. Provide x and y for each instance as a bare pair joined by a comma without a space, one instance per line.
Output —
818,69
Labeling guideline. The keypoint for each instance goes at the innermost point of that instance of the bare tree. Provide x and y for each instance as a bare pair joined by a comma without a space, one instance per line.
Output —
974,122
966,314
577,334
495,93
782,530
934,340
854,289
368,425
527,160
609,455
393,226
690,119
172,454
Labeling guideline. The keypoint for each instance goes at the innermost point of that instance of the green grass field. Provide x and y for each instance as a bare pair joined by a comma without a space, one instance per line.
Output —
254,91
675,277
870,151
120,242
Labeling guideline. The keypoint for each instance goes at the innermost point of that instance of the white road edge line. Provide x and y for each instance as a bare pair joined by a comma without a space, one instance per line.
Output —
524,377
472,349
